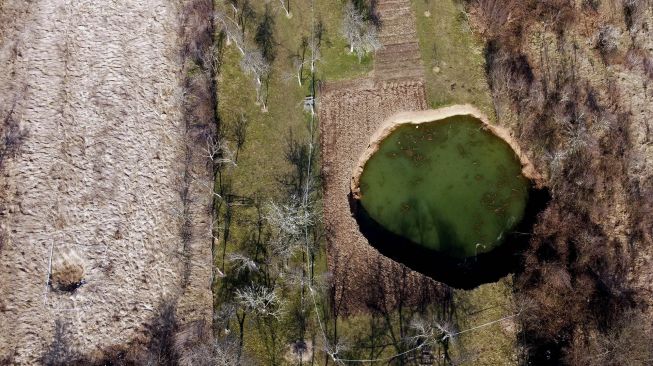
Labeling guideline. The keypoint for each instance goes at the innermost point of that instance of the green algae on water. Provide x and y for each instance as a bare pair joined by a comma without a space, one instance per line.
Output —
449,185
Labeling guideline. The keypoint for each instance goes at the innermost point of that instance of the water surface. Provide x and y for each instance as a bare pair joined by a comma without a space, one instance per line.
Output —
449,186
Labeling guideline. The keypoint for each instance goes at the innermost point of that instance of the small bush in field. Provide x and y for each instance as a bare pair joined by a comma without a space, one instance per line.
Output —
592,4
607,39
67,272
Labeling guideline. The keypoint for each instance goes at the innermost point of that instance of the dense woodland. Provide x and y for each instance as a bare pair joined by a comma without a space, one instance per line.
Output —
574,278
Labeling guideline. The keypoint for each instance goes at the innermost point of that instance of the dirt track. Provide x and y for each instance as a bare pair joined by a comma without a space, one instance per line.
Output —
97,86
400,57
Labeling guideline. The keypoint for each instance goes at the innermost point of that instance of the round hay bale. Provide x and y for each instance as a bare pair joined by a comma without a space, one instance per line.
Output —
67,271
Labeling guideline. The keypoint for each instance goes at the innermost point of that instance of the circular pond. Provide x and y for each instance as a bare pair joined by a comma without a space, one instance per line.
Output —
445,194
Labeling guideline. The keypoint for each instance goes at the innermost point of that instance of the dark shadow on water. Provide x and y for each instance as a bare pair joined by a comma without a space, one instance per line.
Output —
465,273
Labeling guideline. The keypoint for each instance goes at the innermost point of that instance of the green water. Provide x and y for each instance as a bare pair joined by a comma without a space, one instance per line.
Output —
449,185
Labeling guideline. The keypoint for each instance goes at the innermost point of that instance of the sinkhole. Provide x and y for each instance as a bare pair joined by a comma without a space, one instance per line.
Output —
448,195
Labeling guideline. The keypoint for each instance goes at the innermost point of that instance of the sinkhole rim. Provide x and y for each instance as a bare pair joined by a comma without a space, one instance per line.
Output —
439,115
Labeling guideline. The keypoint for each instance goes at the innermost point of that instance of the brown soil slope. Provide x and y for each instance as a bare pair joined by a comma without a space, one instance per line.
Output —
98,179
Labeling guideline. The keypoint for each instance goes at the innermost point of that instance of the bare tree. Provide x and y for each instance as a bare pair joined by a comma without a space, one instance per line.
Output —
253,63
299,60
607,39
287,223
243,13
260,300
314,46
231,30
625,343
234,7
359,32
242,263
285,4
333,351
195,348
431,332
369,40
226,352
351,24
289,219
298,66
217,151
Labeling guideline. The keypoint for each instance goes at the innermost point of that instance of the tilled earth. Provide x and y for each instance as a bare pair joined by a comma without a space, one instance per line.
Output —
95,90
350,113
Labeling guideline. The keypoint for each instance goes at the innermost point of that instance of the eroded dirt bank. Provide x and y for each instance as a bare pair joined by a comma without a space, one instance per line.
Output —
102,174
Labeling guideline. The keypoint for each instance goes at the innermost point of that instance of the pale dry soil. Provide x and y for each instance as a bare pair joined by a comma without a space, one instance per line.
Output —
97,87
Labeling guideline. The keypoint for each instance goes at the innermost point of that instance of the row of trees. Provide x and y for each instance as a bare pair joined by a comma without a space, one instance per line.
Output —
265,277
266,273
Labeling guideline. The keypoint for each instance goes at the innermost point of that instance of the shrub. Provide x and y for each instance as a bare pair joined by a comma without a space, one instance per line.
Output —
634,11
161,350
193,345
496,18
591,4
607,40
574,272
648,66
11,136
626,343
